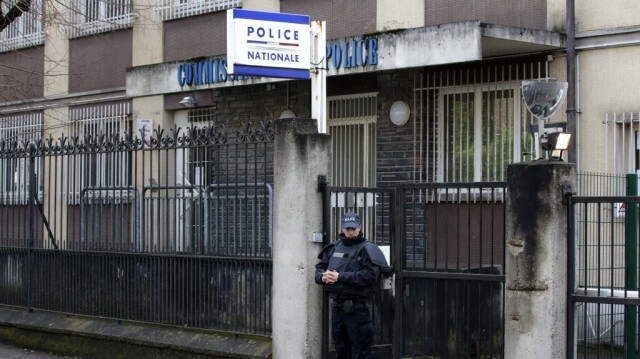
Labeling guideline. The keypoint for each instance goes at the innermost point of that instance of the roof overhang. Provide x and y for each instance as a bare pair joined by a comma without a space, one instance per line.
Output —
500,40
397,49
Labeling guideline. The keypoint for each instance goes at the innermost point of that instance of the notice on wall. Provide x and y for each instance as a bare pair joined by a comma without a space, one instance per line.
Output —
145,130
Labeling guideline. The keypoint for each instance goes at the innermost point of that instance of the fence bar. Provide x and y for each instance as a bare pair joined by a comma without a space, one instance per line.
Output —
631,311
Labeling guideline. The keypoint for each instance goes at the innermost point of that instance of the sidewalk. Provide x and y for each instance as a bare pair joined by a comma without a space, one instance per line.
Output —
85,338
9,352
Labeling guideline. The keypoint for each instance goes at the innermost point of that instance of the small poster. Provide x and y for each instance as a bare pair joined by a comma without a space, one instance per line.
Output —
145,129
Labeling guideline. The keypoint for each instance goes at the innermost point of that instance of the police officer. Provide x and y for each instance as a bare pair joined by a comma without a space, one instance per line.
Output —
349,269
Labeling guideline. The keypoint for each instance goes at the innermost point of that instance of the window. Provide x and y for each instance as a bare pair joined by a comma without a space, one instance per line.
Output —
352,126
622,142
15,132
24,31
96,16
101,169
175,9
480,132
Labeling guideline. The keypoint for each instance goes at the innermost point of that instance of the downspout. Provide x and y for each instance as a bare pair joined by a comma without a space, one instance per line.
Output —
571,79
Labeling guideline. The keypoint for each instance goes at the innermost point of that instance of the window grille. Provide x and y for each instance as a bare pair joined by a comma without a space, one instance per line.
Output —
100,170
352,126
24,31
477,137
96,16
175,9
14,170
201,115
621,142
474,123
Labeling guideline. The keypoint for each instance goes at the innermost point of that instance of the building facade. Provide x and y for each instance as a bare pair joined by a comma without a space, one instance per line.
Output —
417,92
456,69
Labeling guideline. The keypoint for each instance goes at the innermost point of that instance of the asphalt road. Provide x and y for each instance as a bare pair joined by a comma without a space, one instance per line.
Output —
9,352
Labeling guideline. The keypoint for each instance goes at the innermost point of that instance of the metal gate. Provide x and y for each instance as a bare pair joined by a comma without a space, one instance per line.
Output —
603,295
444,297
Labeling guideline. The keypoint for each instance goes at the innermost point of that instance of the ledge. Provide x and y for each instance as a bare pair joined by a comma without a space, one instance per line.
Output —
104,338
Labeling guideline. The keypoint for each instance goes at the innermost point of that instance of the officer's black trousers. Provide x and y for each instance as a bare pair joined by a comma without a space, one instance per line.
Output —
352,333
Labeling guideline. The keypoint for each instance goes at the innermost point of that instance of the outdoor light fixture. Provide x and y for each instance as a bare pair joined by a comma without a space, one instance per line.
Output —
554,143
287,114
399,113
188,101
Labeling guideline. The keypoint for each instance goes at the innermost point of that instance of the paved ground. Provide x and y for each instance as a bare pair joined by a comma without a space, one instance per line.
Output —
9,352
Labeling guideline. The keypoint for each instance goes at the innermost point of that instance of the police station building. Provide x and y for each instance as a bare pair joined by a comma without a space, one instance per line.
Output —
454,90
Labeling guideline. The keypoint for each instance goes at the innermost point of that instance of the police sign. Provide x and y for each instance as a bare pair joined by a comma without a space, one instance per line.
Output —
268,44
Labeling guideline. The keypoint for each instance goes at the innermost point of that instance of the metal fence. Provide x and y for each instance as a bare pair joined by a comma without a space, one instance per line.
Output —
600,244
173,228
603,277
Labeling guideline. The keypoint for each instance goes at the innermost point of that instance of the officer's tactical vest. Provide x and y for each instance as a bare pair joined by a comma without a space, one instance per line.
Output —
344,260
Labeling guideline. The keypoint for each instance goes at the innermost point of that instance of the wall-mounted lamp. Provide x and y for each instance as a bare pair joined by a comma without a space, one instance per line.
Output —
399,113
188,101
554,143
287,114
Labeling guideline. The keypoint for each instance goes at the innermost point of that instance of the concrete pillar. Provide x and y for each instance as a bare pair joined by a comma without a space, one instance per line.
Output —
536,259
300,156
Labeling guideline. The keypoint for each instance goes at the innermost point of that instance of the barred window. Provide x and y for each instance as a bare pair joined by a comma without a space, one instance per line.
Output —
15,133
96,16
101,168
24,31
478,133
622,142
175,9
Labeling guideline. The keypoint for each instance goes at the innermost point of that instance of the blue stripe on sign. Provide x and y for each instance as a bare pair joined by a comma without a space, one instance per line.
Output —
271,72
270,16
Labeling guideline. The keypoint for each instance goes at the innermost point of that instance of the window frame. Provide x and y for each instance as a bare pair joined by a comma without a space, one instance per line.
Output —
175,9
100,186
81,25
15,35
478,90
12,190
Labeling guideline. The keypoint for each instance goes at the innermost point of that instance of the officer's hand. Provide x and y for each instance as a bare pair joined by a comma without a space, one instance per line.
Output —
330,277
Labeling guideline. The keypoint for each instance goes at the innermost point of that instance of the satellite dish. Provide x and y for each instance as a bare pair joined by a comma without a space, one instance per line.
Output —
543,98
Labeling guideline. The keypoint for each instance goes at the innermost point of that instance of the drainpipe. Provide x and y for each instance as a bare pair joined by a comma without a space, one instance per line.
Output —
571,79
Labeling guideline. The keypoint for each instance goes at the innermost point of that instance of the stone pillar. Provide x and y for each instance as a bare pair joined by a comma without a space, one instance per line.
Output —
536,259
300,156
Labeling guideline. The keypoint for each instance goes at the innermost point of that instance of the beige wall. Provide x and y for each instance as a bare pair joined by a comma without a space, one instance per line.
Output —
391,16
608,82
147,35
56,53
262,5
556,15
599,14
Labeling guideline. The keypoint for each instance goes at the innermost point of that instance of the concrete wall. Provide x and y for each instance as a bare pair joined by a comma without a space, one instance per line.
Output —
301,155
536,259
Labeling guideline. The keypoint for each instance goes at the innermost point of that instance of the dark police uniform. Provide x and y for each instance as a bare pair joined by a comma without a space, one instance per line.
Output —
358,262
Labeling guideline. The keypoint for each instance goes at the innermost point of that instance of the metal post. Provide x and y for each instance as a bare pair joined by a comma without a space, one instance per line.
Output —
571,79
33,192
631,275
571,276
323,186
398,266
319,74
